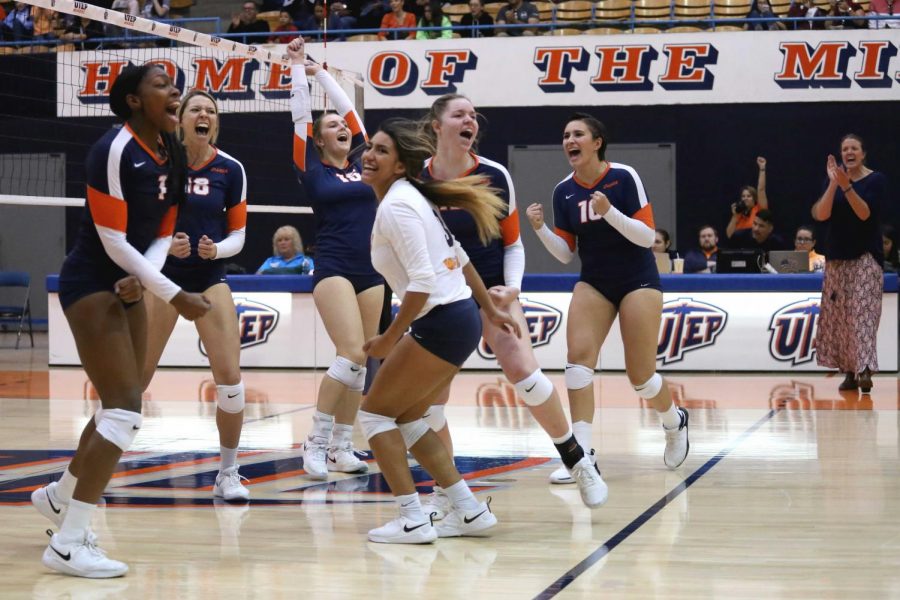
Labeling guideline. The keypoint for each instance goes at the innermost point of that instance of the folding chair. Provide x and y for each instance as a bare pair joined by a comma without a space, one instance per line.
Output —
16,314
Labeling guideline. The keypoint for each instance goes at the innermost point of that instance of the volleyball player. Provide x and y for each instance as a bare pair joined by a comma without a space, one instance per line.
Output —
602,209
453,122
429,271
347,290
210,228
135,180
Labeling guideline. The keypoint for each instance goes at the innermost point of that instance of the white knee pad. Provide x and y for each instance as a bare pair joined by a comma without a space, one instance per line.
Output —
413,432
119,426
360,383
346,371
578,376
535,389
231,397
435,417
373,424
650,388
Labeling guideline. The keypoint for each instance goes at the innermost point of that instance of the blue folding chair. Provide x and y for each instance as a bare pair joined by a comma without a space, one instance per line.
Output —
16,314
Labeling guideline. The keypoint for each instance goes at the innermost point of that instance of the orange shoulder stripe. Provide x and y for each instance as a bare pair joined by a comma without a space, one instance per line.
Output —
509,228
237,216
645,216
570,238
167,225
108,211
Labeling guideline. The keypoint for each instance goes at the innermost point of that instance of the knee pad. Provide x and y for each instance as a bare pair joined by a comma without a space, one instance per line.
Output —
435,417
578,376
373,424
119,426
360,383
650,388
231,397
345,371
413,432
535,389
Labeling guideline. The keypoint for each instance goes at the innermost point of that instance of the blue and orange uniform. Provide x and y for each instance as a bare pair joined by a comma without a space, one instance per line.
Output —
502,260
344,206
217,208
610,263
128,222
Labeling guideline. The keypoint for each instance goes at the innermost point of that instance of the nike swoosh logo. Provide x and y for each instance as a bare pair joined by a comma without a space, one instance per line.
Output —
644,284
65,556
407,504
406,528
467,520
135,427
417,336
354,369
233,395
531,388
569,196
140,164
55,510
334,460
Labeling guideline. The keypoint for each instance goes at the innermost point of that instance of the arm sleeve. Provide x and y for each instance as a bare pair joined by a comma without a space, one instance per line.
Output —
343,105
305,155
638,228
556,245
513,250
404,226
633,230
236,215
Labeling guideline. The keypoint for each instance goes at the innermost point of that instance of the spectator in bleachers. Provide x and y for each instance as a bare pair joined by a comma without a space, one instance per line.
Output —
846,9
434,17
44,23
891,255
155,9
395,19
662,242
805,241
286,28
517,12
704,259
81,30
885,7
369,13
752,200
345,18
760,236
18,26
762,9
288,258
247,22
805,8
316,22
476,16
129,7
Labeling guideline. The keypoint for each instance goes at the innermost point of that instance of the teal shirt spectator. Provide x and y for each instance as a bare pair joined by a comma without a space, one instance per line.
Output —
278,265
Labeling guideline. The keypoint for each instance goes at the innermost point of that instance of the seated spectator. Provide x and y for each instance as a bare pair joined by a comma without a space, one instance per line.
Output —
18,25
805,241
760,236
752,200
704,259
316,22
433,16
846,9
395,19
891,257
288,254
761,9
345,18
805,8
370,14
476,17
155,9
82,29
884,7
44,24
517,12
285,27
662,243
246,22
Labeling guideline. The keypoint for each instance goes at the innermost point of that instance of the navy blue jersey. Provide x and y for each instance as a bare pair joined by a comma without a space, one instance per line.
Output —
216,204
487,259
604,252
849,237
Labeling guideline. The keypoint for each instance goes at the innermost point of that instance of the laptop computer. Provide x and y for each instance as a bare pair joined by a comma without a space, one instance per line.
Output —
738,261
663,262
789,261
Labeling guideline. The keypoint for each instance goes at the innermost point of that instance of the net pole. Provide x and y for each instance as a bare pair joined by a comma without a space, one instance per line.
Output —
325,37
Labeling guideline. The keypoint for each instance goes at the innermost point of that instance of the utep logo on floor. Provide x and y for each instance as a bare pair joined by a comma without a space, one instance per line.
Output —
543,321
256,322
793,331
688,324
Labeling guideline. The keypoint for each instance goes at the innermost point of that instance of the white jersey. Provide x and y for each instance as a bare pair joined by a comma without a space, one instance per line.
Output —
414,250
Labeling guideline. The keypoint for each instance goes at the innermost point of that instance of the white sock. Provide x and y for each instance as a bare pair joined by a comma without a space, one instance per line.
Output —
342,434
583,433
77,521
461,496
564,438
671,418
322,426
65,486
228,457
410,507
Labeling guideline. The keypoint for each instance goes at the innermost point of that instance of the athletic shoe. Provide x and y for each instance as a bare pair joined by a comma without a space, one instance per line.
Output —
228,485
459,522
314,459
81,559
437,504
561,476
677,443
344,459
403,531
592,487
45,501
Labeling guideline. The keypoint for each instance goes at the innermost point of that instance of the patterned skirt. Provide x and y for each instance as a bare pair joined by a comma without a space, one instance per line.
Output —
850,312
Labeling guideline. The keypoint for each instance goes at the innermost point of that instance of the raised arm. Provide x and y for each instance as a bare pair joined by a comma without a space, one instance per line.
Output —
305,155
762,199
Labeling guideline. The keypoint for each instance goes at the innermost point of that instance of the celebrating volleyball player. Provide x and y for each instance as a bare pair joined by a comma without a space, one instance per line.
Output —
347,290
453,122
429,271
602,209
136,178
210,228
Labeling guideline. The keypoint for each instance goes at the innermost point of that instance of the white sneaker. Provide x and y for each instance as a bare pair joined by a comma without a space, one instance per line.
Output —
459,522
81,559
594,491
228,485
45,501
677,443
344,459
437,504
314,458
403,531
561,476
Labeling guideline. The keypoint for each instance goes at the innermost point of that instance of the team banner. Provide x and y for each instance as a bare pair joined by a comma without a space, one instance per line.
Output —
710,68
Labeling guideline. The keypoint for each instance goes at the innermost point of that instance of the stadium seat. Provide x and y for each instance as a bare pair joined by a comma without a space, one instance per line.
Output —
640,30
684,29
545,10
565,31
612,10
455,12
363,37
270,17
692,9
15,314
652,10
603,31
781,7
731,9
492,8
574,11
730,28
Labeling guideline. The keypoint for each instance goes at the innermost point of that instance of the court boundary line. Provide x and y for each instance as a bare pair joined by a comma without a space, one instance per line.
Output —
594,557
